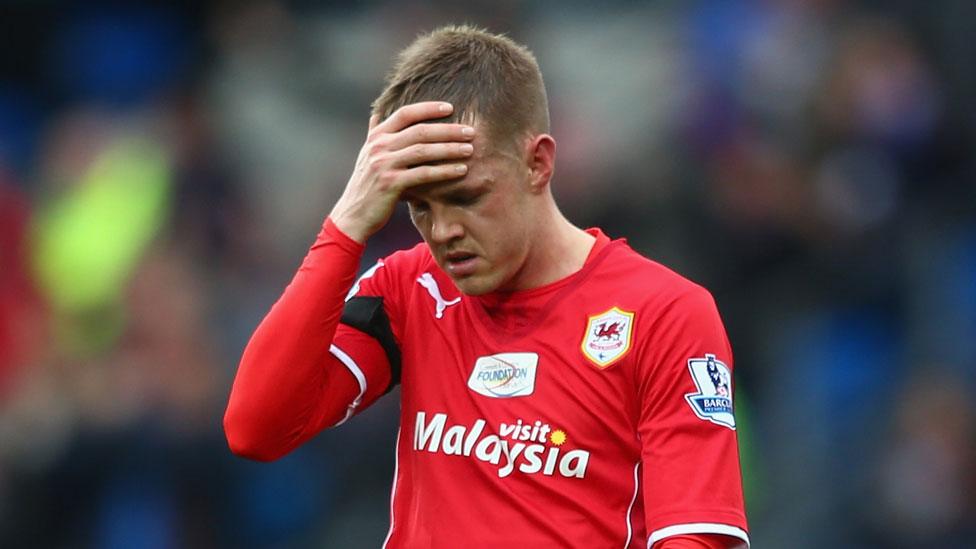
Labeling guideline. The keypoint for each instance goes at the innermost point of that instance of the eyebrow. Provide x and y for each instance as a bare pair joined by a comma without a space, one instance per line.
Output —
450,190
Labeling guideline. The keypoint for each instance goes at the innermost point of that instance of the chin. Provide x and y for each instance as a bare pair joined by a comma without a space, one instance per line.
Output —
480,283
474,285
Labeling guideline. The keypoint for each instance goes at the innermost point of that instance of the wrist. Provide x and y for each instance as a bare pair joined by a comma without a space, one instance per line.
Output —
347,229
337,233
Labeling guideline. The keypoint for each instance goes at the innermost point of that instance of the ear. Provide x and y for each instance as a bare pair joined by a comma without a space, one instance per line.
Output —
540,160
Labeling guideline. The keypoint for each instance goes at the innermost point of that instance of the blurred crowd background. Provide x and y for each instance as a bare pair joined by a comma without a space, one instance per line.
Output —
164,167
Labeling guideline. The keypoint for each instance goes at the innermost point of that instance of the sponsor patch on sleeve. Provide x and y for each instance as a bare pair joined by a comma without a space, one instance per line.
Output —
713,401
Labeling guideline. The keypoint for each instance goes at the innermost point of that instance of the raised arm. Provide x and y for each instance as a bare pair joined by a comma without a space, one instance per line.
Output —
288,385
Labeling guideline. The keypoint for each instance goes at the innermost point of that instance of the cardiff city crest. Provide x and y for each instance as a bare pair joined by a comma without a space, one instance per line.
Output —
608,336
713,401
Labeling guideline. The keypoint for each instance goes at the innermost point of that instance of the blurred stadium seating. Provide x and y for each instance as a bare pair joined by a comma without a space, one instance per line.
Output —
162,170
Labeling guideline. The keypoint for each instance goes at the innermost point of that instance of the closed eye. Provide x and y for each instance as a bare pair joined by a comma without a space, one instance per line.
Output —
464,199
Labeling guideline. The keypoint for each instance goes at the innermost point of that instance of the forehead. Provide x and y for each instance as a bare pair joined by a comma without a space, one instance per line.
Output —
472,182
488,164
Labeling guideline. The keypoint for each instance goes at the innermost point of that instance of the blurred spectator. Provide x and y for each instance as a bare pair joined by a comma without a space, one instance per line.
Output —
923,492
21,327
165,168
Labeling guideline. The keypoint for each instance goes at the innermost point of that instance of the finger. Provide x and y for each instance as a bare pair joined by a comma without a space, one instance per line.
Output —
425,174
431,133
409,115
374,120
425,153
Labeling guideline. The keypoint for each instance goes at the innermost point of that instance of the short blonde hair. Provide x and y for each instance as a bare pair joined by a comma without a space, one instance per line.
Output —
489,78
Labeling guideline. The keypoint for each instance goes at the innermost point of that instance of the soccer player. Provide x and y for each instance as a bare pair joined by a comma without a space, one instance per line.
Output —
558,389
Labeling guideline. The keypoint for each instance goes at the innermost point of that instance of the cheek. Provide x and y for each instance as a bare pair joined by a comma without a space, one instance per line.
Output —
509,241
513,221
498,227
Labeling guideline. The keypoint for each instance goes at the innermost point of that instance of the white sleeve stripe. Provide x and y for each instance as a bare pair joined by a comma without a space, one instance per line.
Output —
697,528
630,508
353,368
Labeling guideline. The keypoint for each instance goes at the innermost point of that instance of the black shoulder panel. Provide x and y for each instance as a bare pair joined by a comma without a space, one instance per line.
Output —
366,314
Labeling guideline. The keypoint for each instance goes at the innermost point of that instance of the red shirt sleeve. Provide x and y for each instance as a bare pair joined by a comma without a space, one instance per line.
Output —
291,383
359,350
691,477
700,541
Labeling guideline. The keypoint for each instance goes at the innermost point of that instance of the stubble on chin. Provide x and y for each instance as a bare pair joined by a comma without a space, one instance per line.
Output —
474,285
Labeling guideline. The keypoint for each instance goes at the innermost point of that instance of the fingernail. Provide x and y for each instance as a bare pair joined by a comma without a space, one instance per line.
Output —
460,168
467,148
446,107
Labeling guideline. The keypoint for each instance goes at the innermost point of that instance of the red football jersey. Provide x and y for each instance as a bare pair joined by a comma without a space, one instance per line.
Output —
595,411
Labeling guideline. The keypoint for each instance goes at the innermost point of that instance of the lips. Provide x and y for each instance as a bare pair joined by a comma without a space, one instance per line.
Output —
461,263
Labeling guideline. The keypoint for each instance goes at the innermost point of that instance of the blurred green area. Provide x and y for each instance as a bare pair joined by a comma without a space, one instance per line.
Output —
88,240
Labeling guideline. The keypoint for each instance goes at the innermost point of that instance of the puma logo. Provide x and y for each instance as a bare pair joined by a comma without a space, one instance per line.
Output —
427,281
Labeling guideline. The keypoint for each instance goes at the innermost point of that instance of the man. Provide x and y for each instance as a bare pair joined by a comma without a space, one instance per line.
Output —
557,388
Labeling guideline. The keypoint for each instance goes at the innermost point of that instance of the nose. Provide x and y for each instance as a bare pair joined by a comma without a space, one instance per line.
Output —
444,227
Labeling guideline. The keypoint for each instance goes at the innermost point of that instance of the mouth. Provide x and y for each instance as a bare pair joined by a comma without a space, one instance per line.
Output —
461,264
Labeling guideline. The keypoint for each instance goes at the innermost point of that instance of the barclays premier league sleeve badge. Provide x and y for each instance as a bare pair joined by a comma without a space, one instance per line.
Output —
713,401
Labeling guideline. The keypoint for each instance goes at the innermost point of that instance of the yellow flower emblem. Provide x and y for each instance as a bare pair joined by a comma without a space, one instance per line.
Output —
558,437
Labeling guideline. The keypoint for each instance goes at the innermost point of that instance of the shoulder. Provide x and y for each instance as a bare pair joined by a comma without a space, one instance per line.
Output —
675,320
402,265
648,284
409,260
391,274
628,298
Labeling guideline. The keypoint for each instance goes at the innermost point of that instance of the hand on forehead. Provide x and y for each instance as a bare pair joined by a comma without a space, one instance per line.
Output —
442,189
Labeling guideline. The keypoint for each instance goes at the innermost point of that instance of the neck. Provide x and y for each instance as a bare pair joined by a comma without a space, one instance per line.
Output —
558,250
